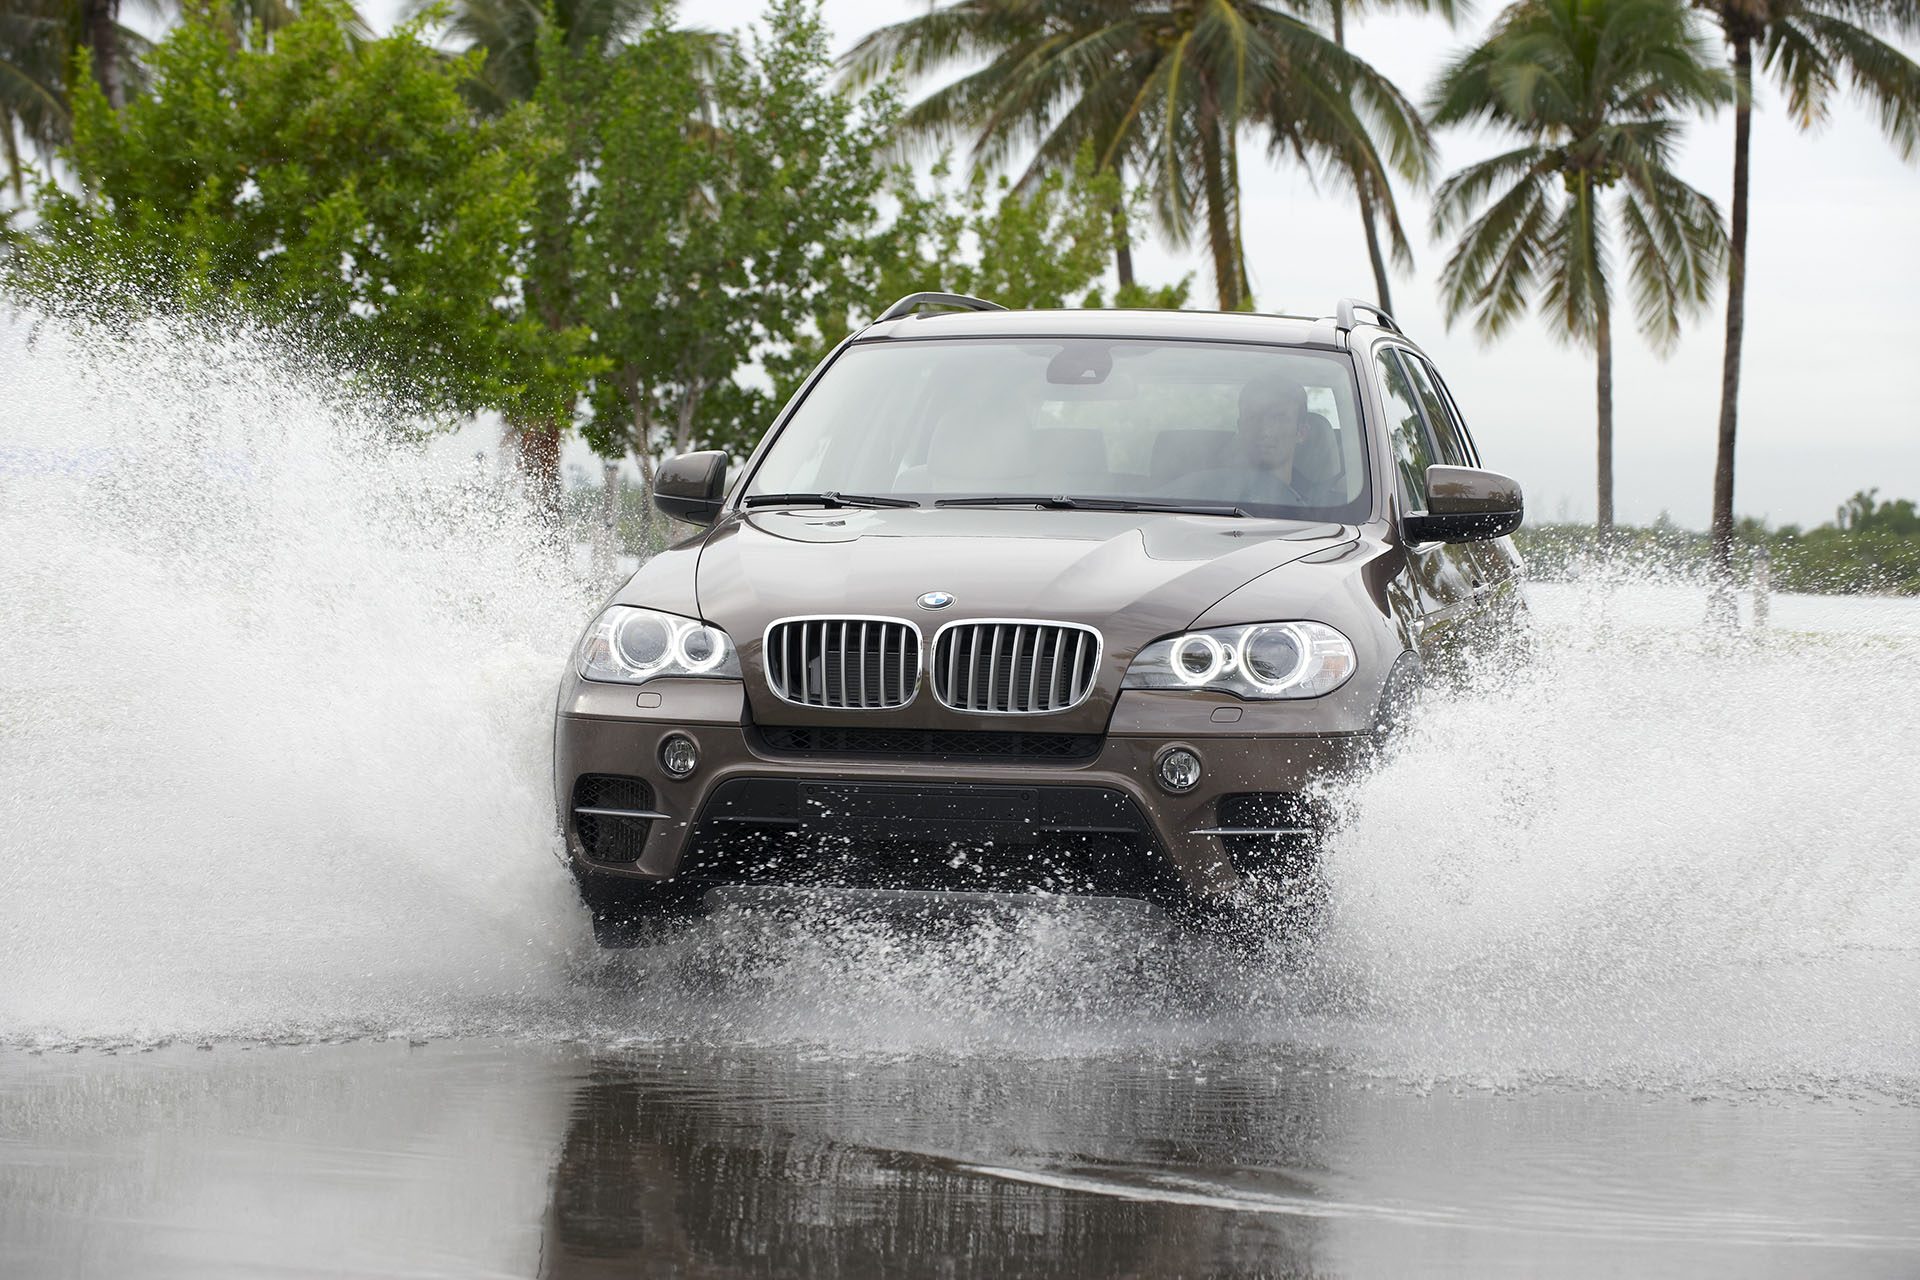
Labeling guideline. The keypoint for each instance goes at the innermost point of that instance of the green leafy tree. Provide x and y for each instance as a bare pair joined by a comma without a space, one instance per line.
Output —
510,34
255,22
1861,514
694,213
1164,88
38,40
341,188
576,60
1043,245
1594,90
1811,47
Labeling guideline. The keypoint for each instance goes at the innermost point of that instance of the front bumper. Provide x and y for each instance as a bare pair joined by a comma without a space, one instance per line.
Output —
604,730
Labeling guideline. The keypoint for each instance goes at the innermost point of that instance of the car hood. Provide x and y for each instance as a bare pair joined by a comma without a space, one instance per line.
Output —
1134,576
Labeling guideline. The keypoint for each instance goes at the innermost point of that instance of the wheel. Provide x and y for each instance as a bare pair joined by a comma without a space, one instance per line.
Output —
630,913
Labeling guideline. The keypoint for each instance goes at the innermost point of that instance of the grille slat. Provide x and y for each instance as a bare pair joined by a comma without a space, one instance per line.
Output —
995,667
805,670
1033,671
853,664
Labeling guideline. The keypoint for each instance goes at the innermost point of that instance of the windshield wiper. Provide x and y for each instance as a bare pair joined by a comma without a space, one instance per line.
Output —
826,499
1064,502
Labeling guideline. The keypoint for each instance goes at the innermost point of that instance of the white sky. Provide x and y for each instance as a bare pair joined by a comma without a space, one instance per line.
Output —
1831,390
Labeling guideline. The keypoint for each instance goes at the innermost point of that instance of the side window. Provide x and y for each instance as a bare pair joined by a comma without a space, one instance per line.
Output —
1448,444
1406,434
1459,419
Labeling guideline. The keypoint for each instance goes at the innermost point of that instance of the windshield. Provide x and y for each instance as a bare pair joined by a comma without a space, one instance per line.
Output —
1273,431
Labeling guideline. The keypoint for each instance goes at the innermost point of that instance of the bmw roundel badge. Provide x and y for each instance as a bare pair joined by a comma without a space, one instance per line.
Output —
935,600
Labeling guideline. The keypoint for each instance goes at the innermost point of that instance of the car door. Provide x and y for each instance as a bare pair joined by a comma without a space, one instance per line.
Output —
1499,559
1485,563
1443,574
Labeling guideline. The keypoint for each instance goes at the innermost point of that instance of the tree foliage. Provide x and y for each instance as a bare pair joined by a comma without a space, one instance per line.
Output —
717,226
339,187
1870,547
1165,86
1041,246
40,44
1594,92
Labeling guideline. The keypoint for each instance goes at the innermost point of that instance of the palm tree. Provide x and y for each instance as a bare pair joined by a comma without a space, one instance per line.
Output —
34,53
38,39
1593,89
241,19
1164,88
1810,46
1374,199
508,31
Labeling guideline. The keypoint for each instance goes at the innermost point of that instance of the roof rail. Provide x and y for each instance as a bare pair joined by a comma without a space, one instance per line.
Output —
915,301
1343,315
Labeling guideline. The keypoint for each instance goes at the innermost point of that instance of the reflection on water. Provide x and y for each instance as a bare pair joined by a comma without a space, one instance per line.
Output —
566,1162
798,1168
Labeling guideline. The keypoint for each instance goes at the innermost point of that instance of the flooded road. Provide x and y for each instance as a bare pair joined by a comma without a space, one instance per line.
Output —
1619,971
502,1158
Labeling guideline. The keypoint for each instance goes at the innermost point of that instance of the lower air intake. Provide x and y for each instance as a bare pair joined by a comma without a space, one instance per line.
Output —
611,816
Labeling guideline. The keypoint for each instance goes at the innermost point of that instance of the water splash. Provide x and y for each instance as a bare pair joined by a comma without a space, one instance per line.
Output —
1648,858
276,681
274,704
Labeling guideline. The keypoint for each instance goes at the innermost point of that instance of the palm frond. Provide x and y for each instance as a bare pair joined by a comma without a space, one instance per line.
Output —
1883,75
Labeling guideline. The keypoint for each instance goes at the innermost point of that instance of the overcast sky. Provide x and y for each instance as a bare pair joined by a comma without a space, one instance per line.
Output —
1831,387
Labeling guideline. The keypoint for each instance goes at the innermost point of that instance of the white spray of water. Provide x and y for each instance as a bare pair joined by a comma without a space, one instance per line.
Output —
1648,858
275,699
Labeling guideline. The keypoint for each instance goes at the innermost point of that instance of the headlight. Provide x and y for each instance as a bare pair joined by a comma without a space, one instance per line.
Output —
631,646
1260,660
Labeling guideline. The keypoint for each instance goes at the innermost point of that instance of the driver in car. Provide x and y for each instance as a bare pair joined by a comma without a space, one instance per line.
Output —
1273,412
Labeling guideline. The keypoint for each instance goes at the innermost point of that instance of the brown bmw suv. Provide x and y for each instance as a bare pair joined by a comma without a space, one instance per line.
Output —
1011,604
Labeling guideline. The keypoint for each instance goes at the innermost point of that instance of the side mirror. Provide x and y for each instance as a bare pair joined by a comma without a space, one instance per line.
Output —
691,486
1466,504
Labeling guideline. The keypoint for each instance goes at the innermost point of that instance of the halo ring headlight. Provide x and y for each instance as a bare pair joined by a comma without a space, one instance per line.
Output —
627,644
644,642
699,649
1258,661
1216,654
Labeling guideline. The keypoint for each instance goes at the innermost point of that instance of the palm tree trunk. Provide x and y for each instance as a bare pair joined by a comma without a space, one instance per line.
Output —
538,446
1226,271
1373,248
1603,393
103,38
1122,238
1722,559
1383,294
1239,237
13,159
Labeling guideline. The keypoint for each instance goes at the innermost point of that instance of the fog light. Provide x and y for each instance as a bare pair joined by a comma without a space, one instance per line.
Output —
1179,770
678,756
